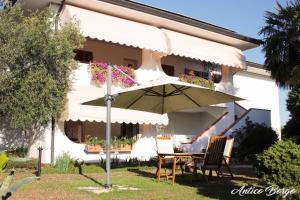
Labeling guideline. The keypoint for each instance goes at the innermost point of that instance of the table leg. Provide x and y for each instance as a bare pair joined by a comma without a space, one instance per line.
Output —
159,169
174,170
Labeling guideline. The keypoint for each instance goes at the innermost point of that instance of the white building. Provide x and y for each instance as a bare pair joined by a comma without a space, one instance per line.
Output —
154,42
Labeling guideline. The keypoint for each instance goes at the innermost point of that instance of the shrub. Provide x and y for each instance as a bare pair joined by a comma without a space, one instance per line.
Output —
63,162
26,163
3,160
190,78
18,152
280,165
95,141
116,142
253,139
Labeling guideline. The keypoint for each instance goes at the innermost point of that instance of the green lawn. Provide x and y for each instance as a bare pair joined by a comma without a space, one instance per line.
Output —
53,185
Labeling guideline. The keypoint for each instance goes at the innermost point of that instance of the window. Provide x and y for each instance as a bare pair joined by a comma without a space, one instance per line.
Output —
132,63
74,131
168,69
129,130
196,73
83,56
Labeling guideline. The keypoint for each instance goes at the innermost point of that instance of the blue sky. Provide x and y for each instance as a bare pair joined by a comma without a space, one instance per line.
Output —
243,16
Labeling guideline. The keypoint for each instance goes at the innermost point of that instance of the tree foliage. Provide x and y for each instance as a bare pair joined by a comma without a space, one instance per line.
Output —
282,51
292,128
252,139
282,43
35,65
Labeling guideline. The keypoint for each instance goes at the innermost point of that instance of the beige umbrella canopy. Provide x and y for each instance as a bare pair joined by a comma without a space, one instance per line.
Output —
164,96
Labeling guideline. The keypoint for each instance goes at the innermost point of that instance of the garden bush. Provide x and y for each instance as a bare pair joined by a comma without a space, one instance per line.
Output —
3,160
17,162
63,163
253,139
280,165
18,152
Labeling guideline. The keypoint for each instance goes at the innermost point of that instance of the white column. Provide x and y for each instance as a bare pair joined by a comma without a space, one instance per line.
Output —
151,66
226,85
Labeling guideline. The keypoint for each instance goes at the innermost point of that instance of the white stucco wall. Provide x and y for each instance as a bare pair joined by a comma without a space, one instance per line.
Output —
254,115
260,92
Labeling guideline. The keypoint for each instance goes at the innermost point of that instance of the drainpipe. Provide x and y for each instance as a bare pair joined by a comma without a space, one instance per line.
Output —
53,117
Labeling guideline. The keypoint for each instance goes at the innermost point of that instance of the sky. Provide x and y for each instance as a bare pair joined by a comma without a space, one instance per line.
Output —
243,16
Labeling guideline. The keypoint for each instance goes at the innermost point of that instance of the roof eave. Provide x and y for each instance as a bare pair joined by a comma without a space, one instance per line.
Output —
182,19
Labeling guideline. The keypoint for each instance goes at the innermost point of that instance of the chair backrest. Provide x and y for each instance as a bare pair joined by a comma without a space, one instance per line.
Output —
215,150
228,149
164,144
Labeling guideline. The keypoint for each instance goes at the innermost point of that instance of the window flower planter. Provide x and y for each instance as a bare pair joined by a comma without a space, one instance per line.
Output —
93,148
197,81
122,148
99,73
96,145
97,148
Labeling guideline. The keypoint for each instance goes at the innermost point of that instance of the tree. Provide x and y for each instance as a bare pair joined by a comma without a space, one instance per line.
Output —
252,139
35,66
292,127
282,51
282,43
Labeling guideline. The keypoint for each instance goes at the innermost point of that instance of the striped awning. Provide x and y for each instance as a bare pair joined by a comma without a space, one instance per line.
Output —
113,29
201,49
116,30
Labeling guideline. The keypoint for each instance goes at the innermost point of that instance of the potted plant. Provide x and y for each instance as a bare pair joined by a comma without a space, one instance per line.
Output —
122,144
190,78
94,145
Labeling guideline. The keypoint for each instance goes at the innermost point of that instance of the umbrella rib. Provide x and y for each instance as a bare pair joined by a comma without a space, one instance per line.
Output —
177,90
163,99
151,91
187,96
131,104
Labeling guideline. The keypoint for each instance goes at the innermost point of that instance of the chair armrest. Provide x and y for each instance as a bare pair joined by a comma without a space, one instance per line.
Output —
226,156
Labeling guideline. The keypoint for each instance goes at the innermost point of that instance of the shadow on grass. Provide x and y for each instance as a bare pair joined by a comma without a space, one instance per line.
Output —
92,179
217,188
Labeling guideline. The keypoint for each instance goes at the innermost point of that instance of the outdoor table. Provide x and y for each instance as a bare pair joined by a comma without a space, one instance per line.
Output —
175,157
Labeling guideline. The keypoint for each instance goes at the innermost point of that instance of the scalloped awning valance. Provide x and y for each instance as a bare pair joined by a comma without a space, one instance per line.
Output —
113,29
197,48
74,111
116,30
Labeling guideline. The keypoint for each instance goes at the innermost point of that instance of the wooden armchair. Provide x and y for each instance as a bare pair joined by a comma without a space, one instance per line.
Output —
227,154
165,152
213,157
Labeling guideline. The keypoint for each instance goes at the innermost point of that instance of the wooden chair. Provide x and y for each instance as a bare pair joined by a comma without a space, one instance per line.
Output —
213,157
227,154
165,152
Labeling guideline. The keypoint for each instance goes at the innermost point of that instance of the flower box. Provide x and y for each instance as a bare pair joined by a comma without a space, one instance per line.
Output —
97,148
93,148
122,148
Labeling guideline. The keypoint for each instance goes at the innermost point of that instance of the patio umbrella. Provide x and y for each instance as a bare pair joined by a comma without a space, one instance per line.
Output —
164,96
160,96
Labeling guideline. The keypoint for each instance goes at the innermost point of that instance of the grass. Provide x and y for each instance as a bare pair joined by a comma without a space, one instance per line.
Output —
53,185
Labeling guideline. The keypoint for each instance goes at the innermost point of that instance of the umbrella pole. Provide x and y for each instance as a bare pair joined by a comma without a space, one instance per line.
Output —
108,100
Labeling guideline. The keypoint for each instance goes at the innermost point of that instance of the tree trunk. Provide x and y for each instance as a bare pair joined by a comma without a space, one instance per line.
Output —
52,139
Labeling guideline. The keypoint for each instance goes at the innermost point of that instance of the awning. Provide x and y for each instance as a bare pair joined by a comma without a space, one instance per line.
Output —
116,30
109,28
197,48
75,111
